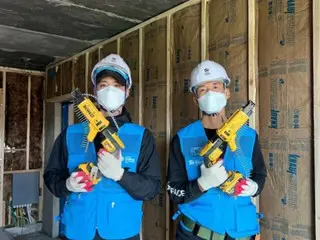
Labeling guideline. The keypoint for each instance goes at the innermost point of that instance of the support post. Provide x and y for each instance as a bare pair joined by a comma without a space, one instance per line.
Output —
28,123
86,72
253,87
204,35
204,29
119,46
168,114
253,61
316,110
51,206
2,129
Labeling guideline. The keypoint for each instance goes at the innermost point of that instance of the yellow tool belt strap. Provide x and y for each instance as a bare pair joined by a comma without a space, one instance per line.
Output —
203,232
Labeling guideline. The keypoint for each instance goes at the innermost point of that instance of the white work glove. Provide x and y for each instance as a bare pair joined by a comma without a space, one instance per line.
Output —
249,188
110,166
213,176
79,182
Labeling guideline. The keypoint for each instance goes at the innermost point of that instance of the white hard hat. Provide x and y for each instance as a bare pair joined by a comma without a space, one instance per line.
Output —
112,65
207,71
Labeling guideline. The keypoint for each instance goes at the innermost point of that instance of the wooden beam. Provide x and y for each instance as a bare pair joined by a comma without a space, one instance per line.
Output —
45,96
73,76
204,29
253,61
141,67
28,123
42,156
60,99
2,128
122,34
168,113
99,53
23,171
119,46
22,71
204,36
316,109
253,68
86,72
3,215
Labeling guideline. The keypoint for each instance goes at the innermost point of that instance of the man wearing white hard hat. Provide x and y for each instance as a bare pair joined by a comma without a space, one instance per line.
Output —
207,212
112,209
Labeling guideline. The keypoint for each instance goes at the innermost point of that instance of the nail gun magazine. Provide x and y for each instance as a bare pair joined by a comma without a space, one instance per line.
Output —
94,122
226,135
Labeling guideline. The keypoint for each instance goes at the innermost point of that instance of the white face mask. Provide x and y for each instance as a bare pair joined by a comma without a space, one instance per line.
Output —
111,98
212,102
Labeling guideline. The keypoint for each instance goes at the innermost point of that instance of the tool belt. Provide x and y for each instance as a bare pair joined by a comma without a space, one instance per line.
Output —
203,232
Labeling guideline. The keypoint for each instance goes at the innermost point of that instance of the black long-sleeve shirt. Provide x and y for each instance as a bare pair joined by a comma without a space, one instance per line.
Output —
181,190
143,185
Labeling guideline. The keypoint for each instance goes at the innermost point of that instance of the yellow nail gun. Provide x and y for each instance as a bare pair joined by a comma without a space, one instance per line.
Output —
88,113
226,135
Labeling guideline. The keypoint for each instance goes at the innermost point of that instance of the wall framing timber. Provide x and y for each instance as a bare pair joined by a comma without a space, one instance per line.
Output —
2,128
4,71
253,78
252,86
316,110
168,112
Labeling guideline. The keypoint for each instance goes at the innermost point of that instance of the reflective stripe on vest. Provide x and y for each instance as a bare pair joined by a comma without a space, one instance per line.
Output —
108,208
216,210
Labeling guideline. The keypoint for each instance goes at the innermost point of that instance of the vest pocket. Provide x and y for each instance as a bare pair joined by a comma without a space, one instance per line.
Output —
119,217
124,219
78,211
128,213
72,214
246,218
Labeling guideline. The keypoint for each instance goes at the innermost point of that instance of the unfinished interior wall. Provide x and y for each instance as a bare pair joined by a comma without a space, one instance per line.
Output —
129,50
36,118
154,118
67,77
53,88
286,118
79,69
161,61
16,115
186,44
106,49
21,137
186,27
228,45
93,60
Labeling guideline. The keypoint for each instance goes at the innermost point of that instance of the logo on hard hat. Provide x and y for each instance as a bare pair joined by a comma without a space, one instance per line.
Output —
113,59
206,71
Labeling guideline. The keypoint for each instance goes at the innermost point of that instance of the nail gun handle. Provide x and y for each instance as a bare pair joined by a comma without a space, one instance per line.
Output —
116,153
232,143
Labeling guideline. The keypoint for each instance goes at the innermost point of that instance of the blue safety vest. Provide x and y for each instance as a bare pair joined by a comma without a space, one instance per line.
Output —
109,209
215,209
